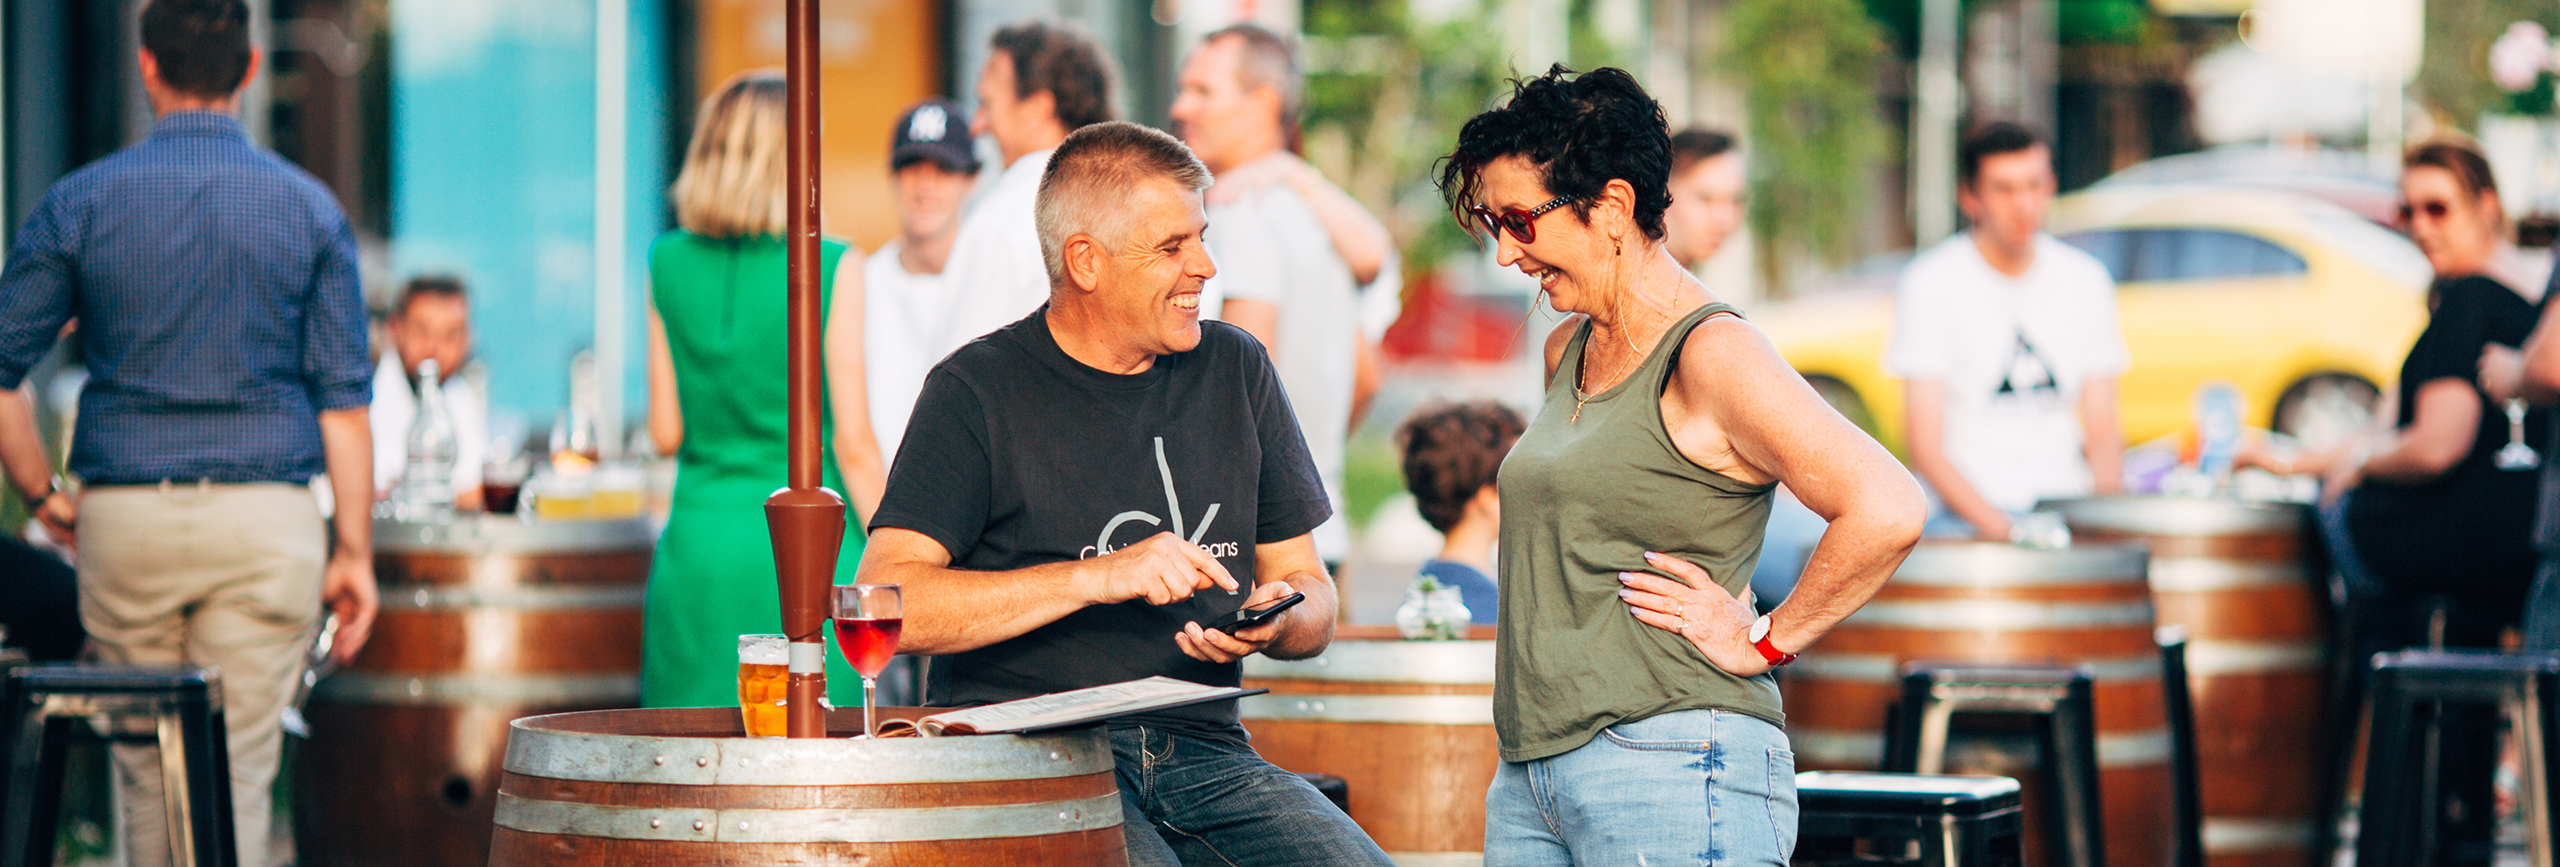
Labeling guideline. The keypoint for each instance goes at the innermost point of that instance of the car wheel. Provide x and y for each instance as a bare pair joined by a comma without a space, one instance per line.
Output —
2323,410
1845,400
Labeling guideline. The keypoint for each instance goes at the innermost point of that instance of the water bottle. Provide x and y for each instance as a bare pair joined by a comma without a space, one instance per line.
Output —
426,482
2218,432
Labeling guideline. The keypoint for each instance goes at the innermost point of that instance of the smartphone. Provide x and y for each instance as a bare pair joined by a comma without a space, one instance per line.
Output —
1247,618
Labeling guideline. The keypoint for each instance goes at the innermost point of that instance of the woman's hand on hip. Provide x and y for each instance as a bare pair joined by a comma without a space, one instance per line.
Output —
1716,622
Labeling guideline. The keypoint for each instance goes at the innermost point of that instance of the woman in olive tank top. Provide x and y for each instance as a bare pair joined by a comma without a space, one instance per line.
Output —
1632,696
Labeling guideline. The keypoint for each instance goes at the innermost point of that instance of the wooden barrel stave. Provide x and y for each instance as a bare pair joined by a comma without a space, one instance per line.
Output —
2236,577
1969,603
1407,725
682,786
483,621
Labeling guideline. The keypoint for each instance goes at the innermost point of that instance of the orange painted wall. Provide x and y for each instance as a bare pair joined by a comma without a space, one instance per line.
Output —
877,58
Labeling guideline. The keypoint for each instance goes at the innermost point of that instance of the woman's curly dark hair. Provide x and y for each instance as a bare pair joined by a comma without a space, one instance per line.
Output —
1580,132
1453,451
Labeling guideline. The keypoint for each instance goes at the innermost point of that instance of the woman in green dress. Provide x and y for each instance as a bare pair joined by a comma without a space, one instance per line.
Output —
717,401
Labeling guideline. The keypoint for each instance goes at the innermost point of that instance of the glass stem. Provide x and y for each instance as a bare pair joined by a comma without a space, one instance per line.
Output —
870,687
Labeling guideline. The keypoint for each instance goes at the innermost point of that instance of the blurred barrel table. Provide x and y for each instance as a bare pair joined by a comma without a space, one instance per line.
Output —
1994,602
2241,579
484,620
1407,725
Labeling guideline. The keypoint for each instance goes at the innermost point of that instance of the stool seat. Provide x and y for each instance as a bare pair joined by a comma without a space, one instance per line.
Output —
179,707
1863,819
1945,795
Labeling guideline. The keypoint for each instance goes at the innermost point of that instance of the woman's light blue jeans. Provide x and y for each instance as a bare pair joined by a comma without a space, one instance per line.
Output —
1692,787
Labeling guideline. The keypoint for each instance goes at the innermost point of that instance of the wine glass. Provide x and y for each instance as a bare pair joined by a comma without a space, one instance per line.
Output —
868,617
2515,455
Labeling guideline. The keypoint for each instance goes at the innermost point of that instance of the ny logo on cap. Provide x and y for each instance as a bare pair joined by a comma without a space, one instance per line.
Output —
927,124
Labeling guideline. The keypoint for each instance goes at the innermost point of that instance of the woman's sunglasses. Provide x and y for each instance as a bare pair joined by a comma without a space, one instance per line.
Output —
1522,224
2435,210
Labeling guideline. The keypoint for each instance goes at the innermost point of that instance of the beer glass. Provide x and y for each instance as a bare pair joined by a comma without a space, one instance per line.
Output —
764,683
868,617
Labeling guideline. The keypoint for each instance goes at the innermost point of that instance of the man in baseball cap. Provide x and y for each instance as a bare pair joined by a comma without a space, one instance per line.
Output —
933,162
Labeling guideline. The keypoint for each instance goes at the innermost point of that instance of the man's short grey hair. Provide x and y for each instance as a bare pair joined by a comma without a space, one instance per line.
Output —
1089,180
1267,60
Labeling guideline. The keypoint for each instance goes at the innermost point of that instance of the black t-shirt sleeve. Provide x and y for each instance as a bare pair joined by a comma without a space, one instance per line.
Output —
2450,345
940,485
1292,495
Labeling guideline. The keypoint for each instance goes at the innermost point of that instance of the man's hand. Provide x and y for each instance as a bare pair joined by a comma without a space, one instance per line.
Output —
1162,570
347,588
60,514
1210,645
1716,622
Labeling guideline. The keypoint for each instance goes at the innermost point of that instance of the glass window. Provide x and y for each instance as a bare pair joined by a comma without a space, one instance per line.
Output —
2174,254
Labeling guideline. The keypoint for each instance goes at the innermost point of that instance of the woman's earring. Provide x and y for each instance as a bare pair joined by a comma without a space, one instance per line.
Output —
1620,244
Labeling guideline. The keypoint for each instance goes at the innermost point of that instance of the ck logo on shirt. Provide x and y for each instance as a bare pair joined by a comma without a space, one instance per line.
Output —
1173,506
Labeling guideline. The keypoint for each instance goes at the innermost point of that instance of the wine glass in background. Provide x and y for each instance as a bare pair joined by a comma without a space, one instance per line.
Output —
868,617
502,481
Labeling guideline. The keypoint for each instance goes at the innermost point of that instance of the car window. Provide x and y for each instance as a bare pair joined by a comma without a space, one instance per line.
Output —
2176,254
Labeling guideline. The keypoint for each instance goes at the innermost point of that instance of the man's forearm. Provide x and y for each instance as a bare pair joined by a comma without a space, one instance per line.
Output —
346,442
22,445
952,610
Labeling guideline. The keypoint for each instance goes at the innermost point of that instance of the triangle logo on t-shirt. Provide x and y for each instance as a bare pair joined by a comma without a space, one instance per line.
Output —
2028,374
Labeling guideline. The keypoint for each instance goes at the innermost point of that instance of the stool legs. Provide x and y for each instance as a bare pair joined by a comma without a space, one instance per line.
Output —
2073,749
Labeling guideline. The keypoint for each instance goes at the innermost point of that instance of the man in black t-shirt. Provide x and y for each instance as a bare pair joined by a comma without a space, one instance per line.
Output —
1079,491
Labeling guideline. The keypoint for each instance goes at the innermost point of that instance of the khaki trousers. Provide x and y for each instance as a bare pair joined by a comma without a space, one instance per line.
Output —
217,576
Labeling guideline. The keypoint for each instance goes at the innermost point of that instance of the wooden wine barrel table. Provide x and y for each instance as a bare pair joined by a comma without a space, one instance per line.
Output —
2239,578
1407,725
682,786
483,620
1990,602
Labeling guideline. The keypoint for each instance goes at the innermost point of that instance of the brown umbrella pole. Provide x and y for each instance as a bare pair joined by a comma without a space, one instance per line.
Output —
806,520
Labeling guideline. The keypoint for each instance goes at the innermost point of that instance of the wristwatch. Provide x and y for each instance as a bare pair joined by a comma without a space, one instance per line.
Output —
1768,651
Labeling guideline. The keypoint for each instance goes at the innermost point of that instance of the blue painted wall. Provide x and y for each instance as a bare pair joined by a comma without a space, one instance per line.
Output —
493,178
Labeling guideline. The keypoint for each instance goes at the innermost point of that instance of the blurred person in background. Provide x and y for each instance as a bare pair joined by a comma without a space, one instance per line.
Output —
1451,456
1643,485
2426,509
1707,186
224,329
1042,80
904,298
716,344
1085,487
2007,344
2533,373
1281,276
432,319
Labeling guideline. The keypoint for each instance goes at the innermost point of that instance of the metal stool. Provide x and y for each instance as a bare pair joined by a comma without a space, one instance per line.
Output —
2186,796
1938,821
185,707
2403,774
1932,694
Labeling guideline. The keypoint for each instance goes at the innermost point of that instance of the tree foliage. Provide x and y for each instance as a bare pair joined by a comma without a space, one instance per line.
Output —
1808,68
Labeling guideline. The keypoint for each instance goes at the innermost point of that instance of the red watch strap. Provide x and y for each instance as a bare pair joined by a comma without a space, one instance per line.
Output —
1771,652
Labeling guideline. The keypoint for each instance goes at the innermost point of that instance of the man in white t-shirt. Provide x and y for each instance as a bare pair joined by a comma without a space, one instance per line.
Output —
1042,81
904,298
2007,344
432,319
1281,275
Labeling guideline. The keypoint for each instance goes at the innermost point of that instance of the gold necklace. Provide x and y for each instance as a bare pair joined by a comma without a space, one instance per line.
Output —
1580,371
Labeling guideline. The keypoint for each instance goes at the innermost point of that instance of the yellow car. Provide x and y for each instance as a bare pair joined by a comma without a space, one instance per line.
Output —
2303,305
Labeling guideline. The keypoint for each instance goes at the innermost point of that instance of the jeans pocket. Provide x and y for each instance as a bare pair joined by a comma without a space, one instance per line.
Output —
1691,745
1783,811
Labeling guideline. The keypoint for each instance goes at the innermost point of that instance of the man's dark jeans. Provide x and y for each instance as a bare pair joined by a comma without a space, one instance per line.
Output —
1203,802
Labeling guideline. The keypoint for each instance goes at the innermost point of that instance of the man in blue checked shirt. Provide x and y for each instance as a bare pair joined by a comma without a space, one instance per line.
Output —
218,309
